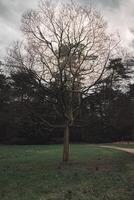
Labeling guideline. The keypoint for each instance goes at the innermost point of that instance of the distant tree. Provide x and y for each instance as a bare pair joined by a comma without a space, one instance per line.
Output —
5,96
24,85
130,94
4,88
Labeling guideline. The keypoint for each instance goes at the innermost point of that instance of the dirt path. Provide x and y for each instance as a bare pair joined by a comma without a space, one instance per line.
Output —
128,150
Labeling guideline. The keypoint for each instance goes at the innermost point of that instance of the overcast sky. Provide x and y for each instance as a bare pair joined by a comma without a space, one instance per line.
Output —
118,13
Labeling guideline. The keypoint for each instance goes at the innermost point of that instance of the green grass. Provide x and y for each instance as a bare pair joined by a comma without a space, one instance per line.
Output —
93,173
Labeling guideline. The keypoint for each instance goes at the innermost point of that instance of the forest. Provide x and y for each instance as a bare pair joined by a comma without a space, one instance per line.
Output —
26,108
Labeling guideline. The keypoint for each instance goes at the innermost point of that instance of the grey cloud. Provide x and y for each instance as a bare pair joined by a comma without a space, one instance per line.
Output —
118,13
103,3
10,17
121,19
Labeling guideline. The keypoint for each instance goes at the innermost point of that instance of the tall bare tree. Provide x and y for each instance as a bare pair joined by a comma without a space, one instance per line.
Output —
68,46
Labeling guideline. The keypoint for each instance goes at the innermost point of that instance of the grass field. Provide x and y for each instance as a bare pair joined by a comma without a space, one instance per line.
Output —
93,173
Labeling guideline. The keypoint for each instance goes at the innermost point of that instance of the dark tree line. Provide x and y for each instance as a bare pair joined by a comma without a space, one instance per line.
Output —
27,107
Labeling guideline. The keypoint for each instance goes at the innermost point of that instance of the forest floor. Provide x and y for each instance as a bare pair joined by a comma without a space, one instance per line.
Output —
36,172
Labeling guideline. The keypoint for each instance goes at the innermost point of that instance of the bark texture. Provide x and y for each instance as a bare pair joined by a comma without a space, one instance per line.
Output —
66,143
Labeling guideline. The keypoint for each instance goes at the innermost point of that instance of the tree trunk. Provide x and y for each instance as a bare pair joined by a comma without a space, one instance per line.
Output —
66,143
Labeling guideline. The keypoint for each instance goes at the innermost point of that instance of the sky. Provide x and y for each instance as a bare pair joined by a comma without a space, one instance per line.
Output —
118,13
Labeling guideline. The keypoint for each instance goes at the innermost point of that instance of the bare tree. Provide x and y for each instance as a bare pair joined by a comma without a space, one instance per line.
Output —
66,45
